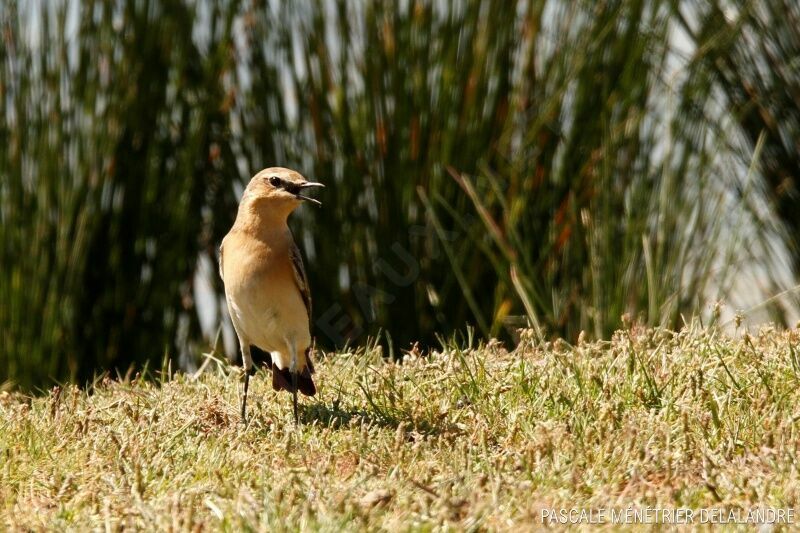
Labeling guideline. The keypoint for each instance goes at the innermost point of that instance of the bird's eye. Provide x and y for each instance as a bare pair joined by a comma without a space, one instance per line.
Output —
275,181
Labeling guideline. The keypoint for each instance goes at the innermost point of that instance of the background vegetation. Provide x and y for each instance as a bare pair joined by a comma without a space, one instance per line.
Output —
566,161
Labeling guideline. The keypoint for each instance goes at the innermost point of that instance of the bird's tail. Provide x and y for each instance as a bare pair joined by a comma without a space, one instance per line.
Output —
282,378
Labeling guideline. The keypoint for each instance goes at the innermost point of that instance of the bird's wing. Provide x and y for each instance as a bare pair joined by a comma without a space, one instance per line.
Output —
221,275
300,277
302,284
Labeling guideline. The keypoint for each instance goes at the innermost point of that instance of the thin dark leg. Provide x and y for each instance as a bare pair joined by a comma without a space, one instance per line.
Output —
294,395
244,399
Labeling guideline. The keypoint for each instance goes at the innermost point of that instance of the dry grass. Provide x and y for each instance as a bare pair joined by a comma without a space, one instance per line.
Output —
467,438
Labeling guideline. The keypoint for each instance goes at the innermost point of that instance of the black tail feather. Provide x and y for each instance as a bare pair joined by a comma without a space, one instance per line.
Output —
282,380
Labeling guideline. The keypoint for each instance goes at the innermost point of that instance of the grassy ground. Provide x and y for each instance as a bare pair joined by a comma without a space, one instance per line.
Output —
479,438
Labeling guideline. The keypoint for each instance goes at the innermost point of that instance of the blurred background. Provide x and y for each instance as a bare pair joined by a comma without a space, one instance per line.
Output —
488,164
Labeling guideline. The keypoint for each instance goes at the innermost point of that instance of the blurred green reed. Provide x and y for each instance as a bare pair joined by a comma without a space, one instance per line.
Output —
606,202
749,52
111,159
483,160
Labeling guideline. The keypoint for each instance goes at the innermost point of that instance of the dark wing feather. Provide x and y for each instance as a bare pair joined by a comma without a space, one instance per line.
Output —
300,278
305,383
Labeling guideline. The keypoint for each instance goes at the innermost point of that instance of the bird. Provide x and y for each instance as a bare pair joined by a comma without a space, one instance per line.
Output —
266,287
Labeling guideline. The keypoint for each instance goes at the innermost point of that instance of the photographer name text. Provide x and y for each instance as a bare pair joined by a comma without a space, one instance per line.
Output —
664,515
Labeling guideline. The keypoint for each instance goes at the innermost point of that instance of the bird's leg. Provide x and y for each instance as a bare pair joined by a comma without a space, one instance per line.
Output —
294,395
244,398
247,361
293,372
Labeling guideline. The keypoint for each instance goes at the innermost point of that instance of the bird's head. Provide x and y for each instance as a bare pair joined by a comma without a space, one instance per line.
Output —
281,189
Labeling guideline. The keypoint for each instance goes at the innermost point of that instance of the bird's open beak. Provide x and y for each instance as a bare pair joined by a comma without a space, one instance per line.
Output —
307,185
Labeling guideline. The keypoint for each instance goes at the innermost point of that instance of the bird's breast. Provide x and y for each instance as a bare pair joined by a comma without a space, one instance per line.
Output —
265,302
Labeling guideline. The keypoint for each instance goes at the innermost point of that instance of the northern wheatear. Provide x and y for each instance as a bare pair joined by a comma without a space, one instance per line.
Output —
265,282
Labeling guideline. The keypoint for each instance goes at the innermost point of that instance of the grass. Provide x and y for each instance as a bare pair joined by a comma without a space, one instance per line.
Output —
465,438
